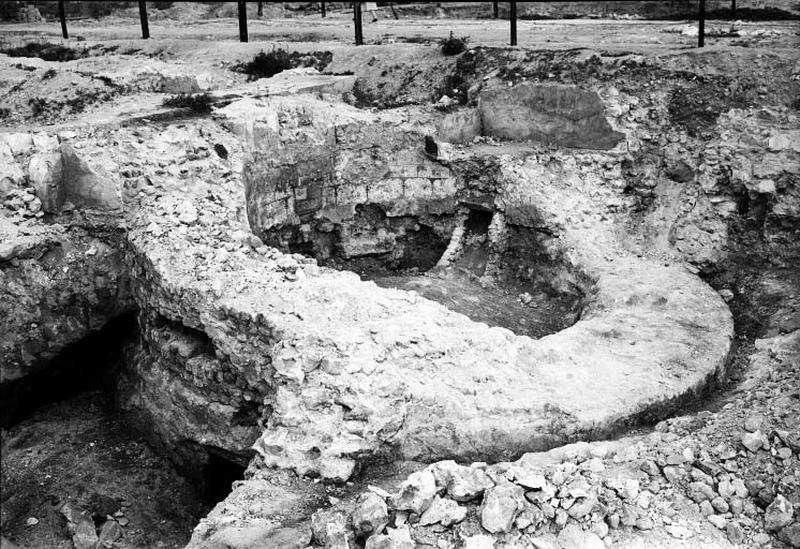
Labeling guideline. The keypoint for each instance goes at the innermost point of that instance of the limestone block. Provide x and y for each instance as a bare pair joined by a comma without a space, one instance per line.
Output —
46,173
460,126
86,187
549,113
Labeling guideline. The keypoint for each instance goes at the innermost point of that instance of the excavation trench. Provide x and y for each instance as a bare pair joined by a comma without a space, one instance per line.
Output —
99,458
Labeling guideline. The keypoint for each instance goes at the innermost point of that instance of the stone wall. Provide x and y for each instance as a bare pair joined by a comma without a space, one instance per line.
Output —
61,258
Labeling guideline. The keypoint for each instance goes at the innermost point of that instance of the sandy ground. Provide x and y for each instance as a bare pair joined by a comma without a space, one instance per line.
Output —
337,28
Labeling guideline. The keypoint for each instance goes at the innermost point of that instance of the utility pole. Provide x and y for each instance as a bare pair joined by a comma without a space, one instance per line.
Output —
322,8
143,18
733,7
495,10
242,21
357,21
701,31
512,15
63,17
261,9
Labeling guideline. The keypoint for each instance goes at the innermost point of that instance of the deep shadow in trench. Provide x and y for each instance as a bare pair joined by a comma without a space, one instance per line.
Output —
218,474
85,365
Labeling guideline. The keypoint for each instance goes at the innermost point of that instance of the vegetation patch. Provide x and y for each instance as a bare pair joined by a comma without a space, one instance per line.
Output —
198,102
453,45
268,64
45,51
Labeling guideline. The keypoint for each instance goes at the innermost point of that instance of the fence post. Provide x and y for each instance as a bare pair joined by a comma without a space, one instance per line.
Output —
733,7
701,30
495,10
63,17
512,15
143,18
242,21
322,7
357,21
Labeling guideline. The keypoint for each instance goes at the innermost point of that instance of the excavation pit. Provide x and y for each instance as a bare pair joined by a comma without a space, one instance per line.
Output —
345,287
450,259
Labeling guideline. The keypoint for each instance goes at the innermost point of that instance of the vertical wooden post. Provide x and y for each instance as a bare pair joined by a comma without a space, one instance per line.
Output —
322,8
63,17
143,18
242,21
260,9
495,10
512,15
701,30
733,7
357,21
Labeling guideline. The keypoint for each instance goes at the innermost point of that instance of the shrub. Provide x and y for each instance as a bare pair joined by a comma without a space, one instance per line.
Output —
198,102
265,65
453,45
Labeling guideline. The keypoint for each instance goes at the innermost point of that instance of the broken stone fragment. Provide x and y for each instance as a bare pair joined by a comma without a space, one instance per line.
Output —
754,441
582,507
735,533
443,511
480,541
528,478
336,536
19,143
500,506
699,492
80,526
11,175
790,535
246,238
395,538
109,533
261,536
778,514
572,537
324,521
754,422
461,483
718,521
416,493
187,213
371,515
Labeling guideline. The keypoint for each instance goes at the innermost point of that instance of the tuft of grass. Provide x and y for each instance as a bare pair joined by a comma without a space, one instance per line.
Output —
454,45
198,102
49,73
